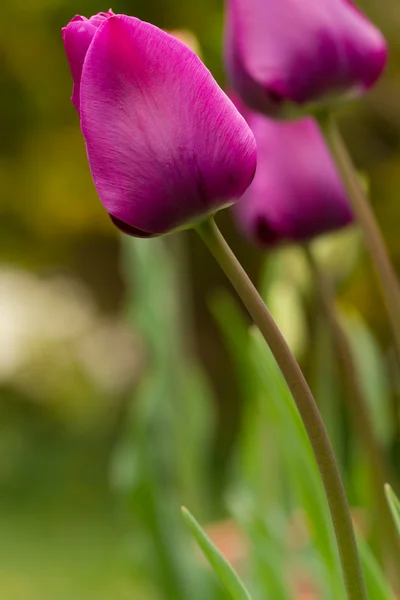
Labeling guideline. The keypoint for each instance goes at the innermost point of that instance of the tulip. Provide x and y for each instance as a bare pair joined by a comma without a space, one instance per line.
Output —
283,54
296,193
166,147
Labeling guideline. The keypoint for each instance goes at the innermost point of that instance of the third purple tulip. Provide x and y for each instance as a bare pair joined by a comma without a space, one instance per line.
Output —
297,193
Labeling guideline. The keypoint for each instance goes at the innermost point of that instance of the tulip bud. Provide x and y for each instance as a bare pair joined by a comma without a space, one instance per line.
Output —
287,54
166,146
296,193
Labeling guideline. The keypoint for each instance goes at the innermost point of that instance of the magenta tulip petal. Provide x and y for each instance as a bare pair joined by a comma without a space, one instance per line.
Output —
296,193
77,37
165,145
300,51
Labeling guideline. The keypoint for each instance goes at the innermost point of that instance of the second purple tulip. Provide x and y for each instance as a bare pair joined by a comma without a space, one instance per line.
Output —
300,51
296,193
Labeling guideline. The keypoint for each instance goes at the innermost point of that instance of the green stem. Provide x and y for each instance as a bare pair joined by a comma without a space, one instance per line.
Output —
379,470
366,219
305,403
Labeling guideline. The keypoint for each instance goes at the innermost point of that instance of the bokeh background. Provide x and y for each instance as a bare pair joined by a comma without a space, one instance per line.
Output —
92,327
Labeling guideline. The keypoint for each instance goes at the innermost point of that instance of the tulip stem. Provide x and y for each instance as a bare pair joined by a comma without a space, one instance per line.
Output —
357,403
305,403
366,219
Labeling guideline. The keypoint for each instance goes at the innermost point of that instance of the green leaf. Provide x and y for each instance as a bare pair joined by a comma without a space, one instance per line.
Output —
269,556
162,460
256,452
377,585
234,327
222,569
327,386
394,504
373,373
258,481
273,446
300,461
283,277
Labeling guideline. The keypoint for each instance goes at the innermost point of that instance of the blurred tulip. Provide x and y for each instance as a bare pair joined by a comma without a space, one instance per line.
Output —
300,51
296,193
166,146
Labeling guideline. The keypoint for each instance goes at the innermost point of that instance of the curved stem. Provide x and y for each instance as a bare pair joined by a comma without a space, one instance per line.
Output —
358,405
366,219
305,403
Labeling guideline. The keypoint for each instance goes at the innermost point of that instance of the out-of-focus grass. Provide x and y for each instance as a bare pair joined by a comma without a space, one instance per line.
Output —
65,557
151,452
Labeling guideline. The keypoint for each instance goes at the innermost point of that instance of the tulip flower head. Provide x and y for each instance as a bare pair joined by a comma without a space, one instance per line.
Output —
299,52
296,194
166,146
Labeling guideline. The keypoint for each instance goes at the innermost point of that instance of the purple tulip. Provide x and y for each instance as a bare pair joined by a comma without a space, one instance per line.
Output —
300,51
296,193
166,146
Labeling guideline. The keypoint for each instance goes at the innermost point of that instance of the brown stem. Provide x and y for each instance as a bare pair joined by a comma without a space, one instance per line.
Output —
305,403
366,219
379,471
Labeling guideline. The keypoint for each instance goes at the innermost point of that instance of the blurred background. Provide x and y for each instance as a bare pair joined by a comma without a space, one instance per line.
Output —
122,395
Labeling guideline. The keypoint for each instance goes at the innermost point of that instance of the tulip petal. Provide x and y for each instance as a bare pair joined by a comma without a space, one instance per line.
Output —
165,145
77,37
297,193
302,51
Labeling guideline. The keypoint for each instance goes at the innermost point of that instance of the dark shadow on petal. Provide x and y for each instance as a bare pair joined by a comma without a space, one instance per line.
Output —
264,233
275,97
129,230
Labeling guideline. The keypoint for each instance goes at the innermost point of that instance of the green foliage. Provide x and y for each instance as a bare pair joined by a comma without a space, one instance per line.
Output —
275,459
300,461
280,448
226,575
170,420
373,374
377,585
394,504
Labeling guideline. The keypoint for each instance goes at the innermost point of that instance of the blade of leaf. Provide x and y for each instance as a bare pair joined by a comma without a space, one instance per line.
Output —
271,408
256,452
300,460
169,423
371,365
375,580
394,504
328,387
222,569
257,482
269,556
